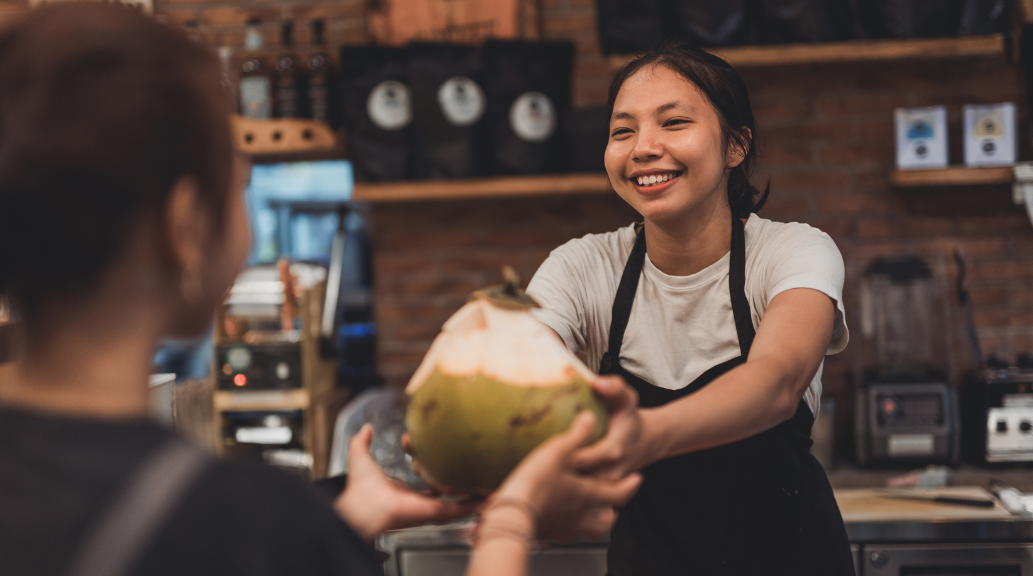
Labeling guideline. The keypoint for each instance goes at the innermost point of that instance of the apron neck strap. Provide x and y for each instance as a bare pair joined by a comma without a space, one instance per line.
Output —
628,286
626,296
737,288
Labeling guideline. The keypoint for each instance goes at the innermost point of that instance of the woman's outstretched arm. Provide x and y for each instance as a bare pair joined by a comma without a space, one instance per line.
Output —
756,396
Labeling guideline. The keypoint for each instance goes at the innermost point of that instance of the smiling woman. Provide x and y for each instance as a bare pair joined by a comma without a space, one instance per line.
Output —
710,326
717,104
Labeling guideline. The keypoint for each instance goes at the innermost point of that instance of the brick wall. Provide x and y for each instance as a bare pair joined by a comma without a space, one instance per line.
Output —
825,134
826,139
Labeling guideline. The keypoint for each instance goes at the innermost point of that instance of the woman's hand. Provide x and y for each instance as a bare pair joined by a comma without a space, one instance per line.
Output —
626,447
373,503
567,502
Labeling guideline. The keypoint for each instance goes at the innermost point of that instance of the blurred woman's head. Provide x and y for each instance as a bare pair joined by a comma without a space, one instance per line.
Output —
116,166
681,135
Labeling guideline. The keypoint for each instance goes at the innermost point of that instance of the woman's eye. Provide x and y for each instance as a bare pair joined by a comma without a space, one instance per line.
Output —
675,122
620,132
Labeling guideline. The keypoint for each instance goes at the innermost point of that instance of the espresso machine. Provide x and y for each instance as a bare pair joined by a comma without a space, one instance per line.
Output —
905,411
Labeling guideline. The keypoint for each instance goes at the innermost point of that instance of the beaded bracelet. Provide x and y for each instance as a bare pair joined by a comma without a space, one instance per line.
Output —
498,529
514,503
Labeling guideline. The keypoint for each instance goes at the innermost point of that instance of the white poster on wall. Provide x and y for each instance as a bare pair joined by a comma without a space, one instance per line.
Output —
990,134
921,137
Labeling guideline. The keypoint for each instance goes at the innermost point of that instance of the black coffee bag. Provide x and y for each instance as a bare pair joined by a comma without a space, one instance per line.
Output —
985,17
909,18
377,111
785,21
711,22
628,26
528,89
448,106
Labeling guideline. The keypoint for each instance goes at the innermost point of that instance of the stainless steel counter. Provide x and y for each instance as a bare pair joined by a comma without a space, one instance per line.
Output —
883,533
444,551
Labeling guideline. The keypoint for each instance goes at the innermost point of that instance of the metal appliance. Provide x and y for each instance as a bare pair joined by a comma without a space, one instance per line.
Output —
914,537
999,414
275,436
905,412
273,364
952,559
445,551
907,422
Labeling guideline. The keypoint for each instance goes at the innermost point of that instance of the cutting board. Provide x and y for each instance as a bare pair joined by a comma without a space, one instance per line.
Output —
871,505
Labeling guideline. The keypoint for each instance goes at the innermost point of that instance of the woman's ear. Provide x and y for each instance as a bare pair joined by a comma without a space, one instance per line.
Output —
738,146
186,227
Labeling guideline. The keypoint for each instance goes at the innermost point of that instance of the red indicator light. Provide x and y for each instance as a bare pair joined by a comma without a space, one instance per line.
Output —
240,379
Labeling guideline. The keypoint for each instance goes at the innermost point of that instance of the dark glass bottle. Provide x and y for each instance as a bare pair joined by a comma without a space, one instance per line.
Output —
290,90
256,82
320,78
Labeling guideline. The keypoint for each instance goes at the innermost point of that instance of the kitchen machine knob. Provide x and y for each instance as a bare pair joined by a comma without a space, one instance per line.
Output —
878,559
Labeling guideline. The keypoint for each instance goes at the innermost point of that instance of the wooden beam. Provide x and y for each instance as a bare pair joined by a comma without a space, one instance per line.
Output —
852,51
473,188
282,136
952,176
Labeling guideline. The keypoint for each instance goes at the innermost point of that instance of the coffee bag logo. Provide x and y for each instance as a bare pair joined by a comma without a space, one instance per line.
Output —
989,126
918,131
390,105
461,100
533,117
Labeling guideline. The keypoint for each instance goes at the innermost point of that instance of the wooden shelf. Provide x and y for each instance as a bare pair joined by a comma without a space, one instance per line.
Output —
232,401
284,139
474,188
952,176
852,51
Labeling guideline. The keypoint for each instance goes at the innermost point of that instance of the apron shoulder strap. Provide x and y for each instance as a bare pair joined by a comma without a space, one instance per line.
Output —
624,299
737,288
149,500
628,286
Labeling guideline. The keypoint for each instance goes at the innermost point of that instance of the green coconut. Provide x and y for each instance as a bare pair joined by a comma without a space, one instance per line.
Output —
495,384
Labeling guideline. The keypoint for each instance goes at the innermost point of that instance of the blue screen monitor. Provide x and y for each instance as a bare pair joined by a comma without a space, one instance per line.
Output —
294,209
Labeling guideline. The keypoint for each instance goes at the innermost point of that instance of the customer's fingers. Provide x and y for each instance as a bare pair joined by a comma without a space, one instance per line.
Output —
611,492
359,457
597,522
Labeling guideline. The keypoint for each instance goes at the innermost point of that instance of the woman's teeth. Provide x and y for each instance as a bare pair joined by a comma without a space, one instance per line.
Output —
655,179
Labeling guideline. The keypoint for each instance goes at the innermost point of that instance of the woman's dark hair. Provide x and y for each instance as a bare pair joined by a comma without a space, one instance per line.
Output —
727,93
102,110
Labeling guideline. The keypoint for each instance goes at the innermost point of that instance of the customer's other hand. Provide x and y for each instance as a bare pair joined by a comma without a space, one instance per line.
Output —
373,503
568,502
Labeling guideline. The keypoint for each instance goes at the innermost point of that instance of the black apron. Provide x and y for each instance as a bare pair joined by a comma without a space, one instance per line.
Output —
760,506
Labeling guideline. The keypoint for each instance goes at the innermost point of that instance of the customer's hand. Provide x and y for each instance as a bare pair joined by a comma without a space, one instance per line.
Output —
373,503
567,502
625,448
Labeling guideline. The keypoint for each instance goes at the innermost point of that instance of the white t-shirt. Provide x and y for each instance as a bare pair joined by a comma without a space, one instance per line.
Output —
681,326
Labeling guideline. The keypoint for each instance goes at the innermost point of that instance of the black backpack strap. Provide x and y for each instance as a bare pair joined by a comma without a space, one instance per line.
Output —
737,288
149,500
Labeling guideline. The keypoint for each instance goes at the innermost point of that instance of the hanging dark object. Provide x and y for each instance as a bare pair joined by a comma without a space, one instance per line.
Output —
785,21
449,106
528,90
628,26
377,109
910,18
